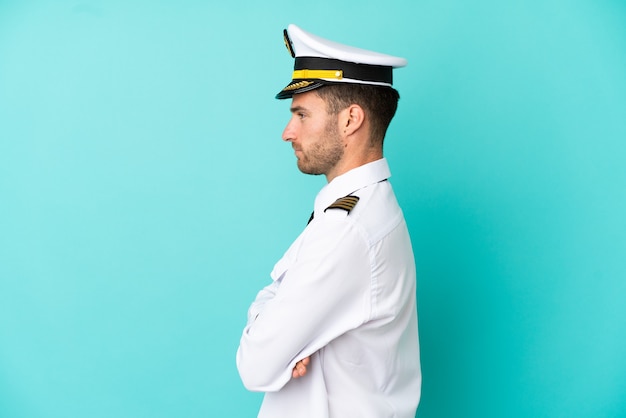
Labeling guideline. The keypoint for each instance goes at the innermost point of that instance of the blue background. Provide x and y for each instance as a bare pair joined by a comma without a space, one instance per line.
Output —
145,194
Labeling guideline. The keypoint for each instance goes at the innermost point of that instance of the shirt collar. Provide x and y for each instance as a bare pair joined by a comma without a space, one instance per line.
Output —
351,181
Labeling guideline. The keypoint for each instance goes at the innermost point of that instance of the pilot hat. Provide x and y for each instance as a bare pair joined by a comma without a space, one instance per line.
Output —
319,62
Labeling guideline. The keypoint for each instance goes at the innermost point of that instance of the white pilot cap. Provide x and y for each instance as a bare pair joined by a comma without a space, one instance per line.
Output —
319,62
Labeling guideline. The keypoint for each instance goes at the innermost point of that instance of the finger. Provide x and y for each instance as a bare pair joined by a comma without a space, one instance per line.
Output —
299,370
296,372
305,361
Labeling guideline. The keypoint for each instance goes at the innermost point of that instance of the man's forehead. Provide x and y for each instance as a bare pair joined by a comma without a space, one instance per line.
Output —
308,100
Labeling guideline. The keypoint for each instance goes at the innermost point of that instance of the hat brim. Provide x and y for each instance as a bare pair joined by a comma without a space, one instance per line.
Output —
300,86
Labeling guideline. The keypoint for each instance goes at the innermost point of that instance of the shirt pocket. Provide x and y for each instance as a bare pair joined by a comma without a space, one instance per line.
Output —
281,268
288,259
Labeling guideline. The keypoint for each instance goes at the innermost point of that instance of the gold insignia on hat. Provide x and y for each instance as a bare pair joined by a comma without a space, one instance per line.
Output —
288,43
298,85
345,203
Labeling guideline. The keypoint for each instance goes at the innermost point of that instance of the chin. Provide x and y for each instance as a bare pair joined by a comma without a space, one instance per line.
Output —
307,170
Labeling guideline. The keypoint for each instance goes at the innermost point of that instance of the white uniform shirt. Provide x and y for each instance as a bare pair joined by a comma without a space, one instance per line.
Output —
344,294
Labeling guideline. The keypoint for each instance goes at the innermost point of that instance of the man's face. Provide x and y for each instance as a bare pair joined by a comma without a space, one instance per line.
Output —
314,134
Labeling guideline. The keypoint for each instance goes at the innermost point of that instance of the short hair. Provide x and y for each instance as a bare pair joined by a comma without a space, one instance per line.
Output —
379,103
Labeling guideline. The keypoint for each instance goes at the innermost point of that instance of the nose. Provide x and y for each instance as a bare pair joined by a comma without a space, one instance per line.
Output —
289,133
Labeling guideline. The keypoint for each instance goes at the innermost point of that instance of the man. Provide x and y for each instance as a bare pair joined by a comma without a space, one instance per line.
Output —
335,333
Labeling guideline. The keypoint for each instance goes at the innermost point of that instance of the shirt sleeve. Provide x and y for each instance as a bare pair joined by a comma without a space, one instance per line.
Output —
266,294
323,294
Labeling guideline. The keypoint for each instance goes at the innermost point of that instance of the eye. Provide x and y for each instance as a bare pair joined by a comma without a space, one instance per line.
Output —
301,115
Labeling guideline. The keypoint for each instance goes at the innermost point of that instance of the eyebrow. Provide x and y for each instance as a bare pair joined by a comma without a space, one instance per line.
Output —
296,109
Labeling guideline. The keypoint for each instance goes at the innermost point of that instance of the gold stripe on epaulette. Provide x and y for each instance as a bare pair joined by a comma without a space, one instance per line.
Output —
346,203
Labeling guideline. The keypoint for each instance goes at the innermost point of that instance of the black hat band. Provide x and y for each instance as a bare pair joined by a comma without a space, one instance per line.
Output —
350,70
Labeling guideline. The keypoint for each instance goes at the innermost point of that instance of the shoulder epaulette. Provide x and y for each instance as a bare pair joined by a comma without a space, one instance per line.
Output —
346,203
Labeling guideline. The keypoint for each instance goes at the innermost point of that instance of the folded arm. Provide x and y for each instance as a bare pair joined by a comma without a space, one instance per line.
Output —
324,293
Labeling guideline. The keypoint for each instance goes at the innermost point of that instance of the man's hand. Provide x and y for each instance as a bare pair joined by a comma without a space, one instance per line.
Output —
299,369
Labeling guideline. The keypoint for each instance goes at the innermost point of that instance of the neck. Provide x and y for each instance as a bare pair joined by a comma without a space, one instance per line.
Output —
352,161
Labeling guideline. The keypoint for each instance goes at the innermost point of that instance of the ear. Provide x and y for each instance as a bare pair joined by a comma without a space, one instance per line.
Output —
352,119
